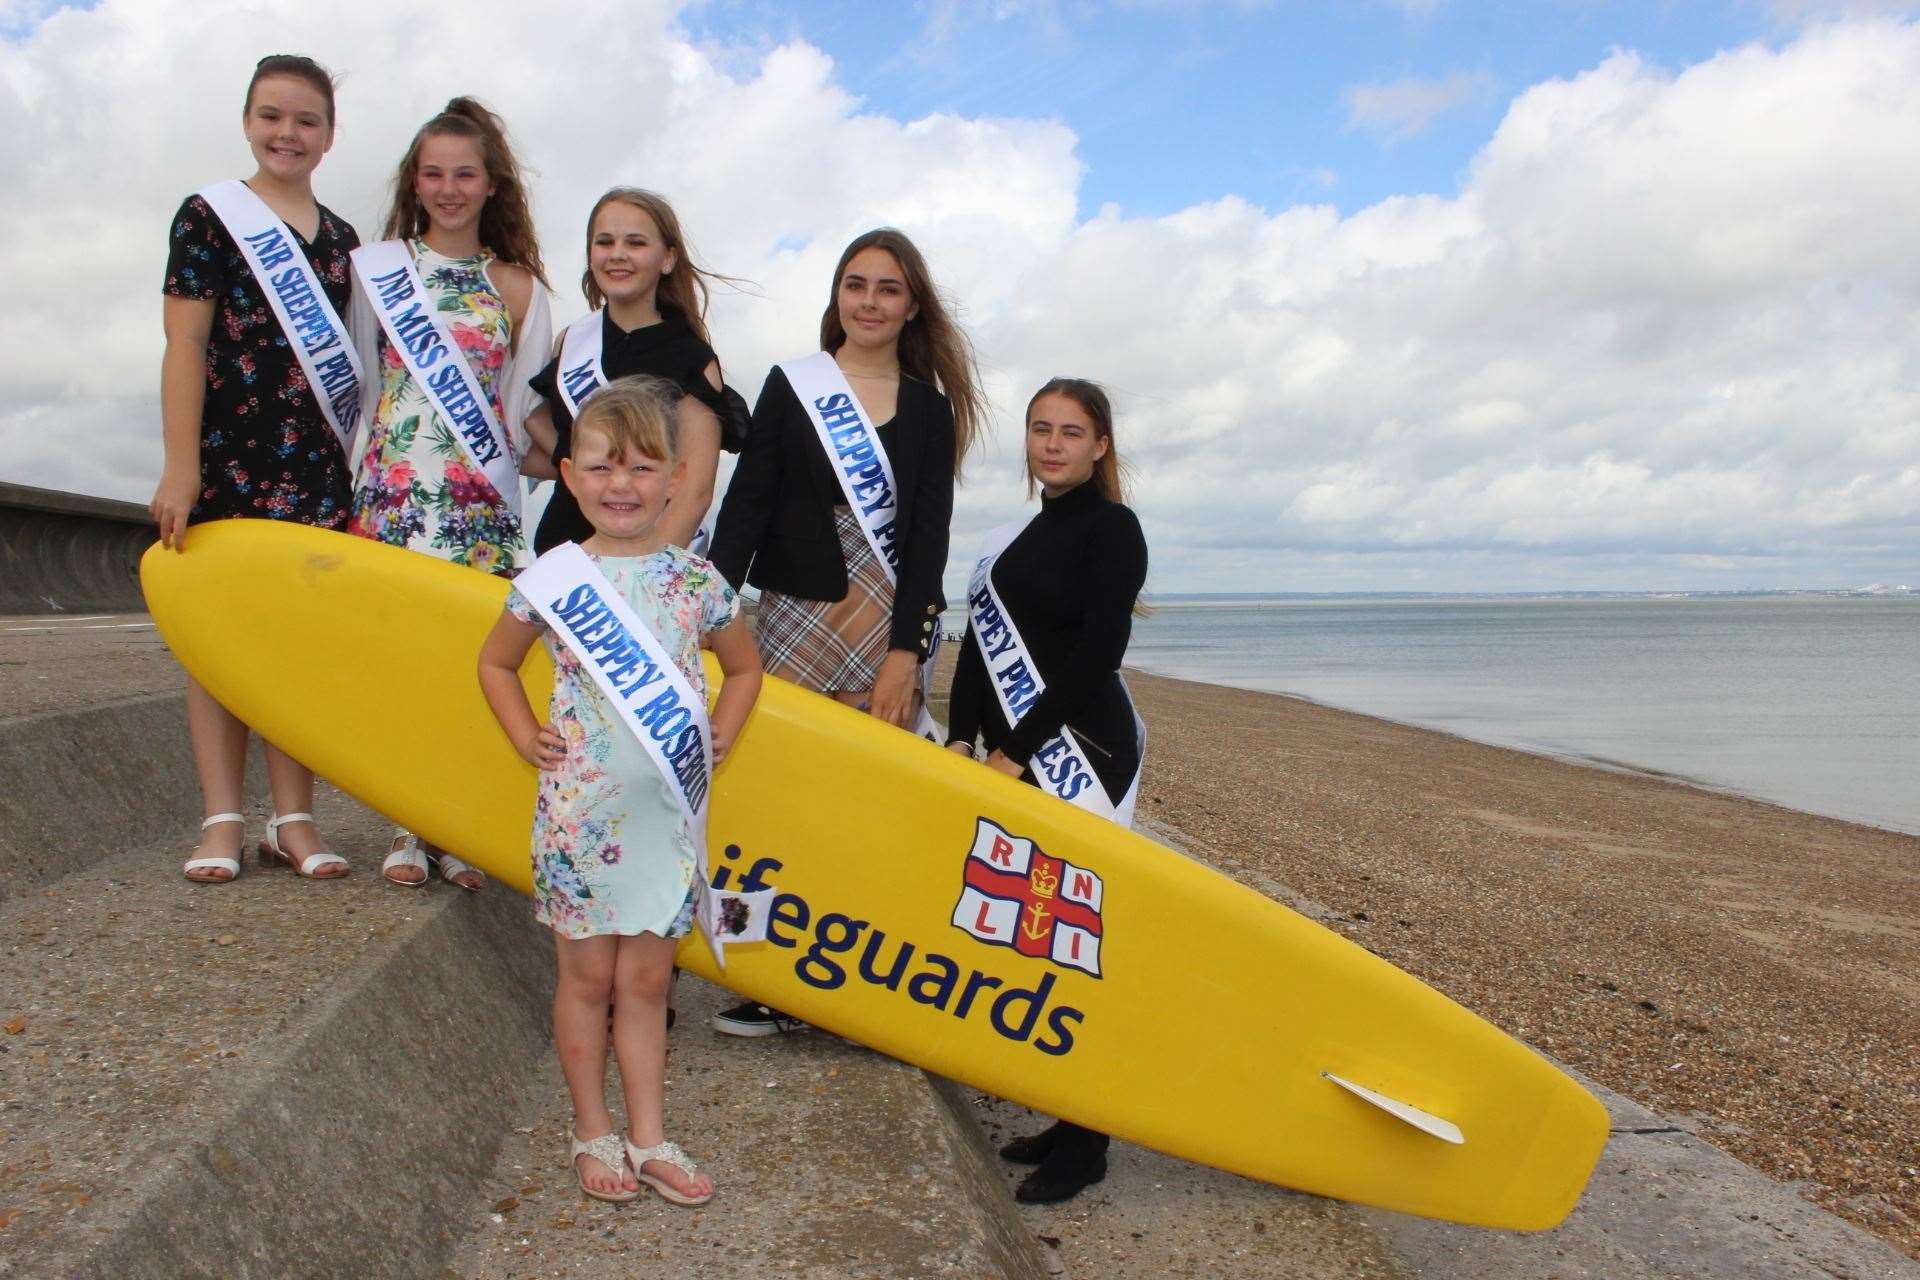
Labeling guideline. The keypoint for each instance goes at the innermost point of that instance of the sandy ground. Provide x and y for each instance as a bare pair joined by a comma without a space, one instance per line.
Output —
1710,956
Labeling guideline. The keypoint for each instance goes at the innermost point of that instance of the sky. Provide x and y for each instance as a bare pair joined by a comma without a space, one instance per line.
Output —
1420,295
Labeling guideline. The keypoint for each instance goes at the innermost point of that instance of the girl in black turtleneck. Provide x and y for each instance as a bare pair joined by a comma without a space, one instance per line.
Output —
1069,582
650,301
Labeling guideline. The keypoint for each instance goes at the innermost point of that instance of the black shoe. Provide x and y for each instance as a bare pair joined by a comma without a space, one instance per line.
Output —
1033,1148
752,1019
1062,1176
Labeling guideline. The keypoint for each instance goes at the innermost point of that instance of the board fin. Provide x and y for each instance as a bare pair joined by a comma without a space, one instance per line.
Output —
1432,1125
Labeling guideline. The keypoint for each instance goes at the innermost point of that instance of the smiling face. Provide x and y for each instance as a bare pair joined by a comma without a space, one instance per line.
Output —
287,127
1063,444
622,497
874,300
627,253
450,181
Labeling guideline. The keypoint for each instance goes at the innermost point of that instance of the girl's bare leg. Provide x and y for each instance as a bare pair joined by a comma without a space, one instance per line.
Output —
580,1036
220,758
642,979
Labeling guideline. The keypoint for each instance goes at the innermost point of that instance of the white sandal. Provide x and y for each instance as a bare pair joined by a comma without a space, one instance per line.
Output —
271,852
669,1153
229,865
406,852
452,867
610,1150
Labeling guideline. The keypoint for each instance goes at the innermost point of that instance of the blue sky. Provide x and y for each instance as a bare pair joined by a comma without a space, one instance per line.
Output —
1410,295
1180,103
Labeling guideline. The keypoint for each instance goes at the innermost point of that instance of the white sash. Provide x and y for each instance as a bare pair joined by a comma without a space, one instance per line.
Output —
861,465
307,318
1061,764
665,713
580,373
414,326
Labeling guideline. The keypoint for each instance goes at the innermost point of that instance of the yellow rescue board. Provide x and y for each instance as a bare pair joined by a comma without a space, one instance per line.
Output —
1162,1002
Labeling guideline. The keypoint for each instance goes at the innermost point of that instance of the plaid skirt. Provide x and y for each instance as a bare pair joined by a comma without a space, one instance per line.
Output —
831,646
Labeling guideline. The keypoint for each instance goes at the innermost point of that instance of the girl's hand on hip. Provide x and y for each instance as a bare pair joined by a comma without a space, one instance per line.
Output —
892,696
545,749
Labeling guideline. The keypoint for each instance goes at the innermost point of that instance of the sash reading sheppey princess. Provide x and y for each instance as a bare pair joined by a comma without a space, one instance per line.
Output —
311,325
415,328
866,479
663,711
1061,763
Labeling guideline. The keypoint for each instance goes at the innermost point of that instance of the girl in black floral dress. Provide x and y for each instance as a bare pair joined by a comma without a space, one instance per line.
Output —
245,434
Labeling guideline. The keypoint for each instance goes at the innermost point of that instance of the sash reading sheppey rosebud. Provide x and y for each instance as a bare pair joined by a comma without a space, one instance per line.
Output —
665,713
866,479
1061,764
426,346
299,302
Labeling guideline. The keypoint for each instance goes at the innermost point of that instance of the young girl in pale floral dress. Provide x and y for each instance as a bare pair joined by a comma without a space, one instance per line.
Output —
460,206
613,858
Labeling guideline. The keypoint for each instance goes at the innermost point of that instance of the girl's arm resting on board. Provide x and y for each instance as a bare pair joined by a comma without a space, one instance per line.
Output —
183,393
740,663
698,438
923,560
963,699
500,657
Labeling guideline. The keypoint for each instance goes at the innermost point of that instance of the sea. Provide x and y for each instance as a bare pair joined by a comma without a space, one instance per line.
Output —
1809,700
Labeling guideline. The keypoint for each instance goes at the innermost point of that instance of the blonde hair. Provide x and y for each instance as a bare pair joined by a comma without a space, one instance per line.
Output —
636,415
933,347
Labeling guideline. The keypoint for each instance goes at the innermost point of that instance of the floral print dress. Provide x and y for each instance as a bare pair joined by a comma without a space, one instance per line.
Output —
611,852
265,447
416,485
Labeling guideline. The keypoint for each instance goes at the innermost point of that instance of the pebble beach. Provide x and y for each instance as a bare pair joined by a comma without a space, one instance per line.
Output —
1749,967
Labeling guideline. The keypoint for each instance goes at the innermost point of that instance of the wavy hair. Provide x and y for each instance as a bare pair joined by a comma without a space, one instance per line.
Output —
506,223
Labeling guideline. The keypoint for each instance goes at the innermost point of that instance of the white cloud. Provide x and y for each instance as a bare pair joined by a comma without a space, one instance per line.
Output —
1398,110
1663,336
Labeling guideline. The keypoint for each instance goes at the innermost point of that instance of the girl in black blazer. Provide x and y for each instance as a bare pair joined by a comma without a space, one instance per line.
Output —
832,617
1069,581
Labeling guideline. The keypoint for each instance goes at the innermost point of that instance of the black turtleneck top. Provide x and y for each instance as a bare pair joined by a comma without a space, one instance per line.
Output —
1069,582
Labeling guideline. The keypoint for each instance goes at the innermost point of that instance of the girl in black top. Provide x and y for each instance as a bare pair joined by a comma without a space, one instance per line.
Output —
1069,583
244,431
831,617
785,526
651,301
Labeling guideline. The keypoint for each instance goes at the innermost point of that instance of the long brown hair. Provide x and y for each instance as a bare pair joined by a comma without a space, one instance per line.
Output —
933,348
1111,476
506,223
684,290
300,67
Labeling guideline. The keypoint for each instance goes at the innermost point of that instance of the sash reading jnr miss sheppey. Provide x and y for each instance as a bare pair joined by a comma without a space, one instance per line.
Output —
866,477
299,302
1061,764
665,713
413,324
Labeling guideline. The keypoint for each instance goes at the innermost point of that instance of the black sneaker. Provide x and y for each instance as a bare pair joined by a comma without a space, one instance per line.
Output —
1061,1177
1033,1148
752,1019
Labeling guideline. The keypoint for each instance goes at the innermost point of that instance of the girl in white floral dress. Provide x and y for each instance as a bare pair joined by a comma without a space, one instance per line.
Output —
613,858
459,206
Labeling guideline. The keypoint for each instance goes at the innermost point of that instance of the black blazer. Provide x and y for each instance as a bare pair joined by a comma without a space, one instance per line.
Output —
775,528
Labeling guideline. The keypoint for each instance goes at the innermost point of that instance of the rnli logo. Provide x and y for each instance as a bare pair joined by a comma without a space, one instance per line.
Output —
1014,895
